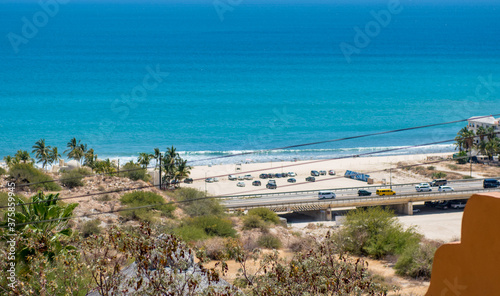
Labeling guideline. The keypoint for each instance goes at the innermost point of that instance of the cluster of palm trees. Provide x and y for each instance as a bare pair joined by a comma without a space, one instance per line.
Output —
175,169
47,155
488,144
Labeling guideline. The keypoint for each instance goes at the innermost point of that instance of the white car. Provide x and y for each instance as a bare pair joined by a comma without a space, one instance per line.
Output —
248,177
423,187
216,179
209,180
325,194
231,177
445,189
241,184
458,205
241,178
291,174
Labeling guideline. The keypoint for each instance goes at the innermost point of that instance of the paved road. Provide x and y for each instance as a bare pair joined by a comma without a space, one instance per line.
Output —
343,194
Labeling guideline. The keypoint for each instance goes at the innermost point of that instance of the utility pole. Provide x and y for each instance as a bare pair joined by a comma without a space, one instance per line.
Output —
390,176
470,160
159,181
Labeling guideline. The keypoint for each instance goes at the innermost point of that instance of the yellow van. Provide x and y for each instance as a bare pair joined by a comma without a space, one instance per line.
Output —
386,192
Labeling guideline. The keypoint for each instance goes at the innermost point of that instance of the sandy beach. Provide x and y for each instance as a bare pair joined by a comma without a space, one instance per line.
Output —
377,167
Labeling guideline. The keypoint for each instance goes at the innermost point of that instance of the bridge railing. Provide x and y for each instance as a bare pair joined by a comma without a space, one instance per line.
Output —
364,200
368,187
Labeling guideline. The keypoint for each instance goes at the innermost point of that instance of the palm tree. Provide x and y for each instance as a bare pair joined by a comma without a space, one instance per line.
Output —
90,159
42,152
464,139
144,159
10,161
72,144
490,133
182,170
481,132
76,150
54,155
156,156
492,148
23,155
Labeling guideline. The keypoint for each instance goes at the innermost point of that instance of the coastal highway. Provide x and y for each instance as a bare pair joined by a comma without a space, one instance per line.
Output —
344,193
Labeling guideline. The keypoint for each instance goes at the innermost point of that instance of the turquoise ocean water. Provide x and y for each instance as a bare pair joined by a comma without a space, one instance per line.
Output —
257,76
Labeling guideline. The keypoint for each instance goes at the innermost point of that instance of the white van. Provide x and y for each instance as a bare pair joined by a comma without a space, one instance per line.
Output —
325,194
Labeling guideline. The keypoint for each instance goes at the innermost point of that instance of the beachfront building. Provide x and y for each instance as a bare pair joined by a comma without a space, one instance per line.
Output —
475,122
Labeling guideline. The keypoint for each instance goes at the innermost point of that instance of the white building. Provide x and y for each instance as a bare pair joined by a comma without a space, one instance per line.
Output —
485,121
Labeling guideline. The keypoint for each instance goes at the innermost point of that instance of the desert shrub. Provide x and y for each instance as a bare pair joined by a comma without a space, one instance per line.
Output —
190,233
214,226
439,175
145,198
90,227
431,168
101,188
105,197
375,232
72,179
301,244
265,214
416,260
452,167
200,206
253,221
214,248
23,173
269,241
467,177
2,171
134,172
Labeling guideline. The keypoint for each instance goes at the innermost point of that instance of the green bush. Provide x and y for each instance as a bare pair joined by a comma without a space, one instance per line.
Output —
72,179
375,232
431,168
2,171
416,260
462,157
438,175
23,173
253,221
190,233
265,214
214,226
269,241
134,172
200,206
145,198
90,227
4,201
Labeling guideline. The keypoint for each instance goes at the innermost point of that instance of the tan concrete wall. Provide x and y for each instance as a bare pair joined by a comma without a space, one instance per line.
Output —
472,266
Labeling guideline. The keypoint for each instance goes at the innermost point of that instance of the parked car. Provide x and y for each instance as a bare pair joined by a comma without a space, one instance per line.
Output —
322,173
256,183
416,211
241,184
188,181
491,183
291,174
439,182
423,187
216,179
271,184
278,175
311,179
209,180
325,194
458,204
314,173
241,178
362,192
248,177
442,205
284,175
291,180
331,172
445,189
232,177
431,204
263,176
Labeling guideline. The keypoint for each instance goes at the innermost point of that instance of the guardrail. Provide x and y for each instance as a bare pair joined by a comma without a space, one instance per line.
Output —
340,189
362,201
